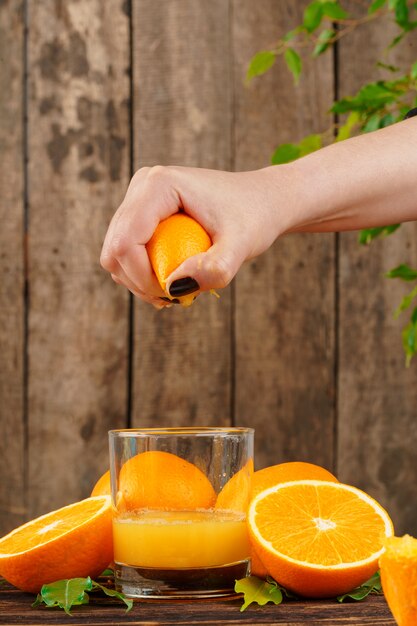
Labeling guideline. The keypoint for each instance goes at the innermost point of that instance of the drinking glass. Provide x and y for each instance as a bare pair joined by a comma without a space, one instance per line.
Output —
179,498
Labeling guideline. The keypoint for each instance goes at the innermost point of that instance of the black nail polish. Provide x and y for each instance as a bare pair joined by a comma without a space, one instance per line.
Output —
183,286
170,300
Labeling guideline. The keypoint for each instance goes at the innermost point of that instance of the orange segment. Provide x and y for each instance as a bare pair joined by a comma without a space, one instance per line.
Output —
235,494
161,480
399,578
73,541
102,486
176,239
318,538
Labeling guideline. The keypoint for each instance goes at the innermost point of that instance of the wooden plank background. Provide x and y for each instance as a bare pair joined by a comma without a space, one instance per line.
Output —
302,346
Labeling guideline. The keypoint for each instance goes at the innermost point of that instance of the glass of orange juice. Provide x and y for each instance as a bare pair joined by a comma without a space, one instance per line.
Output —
179,499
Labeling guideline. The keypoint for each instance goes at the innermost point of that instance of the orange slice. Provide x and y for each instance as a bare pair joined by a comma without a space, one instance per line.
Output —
399,578
69,542
318,538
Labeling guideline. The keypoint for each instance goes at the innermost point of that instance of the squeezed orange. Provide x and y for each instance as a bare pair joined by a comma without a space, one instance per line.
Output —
180,539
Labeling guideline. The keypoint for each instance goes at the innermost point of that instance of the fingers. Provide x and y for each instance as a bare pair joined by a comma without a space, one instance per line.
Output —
213,269
150,198
121,278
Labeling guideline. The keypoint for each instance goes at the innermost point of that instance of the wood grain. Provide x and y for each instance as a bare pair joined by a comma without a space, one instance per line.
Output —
12,274
15,608
285,324
378,396
182,104
79,168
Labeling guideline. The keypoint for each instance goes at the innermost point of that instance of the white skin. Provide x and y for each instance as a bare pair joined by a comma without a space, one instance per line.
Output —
364,182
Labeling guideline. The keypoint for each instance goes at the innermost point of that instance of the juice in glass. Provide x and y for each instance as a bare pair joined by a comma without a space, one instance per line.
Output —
174,550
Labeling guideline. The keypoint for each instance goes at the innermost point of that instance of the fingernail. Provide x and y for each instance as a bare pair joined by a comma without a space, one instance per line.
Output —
183,286
170,300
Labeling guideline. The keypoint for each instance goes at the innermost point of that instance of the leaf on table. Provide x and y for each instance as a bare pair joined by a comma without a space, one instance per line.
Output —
255,589
65,593
73,592
108,573
114,594
373,585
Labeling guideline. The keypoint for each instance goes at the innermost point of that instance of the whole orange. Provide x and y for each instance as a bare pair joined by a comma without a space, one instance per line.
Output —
176,239
161,480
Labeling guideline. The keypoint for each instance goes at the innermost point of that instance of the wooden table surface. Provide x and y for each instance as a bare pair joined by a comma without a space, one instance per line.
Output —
15,608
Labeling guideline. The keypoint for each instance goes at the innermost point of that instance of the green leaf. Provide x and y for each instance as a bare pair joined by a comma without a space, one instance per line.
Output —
401,13
334,11
323,41
345,131
376,4
404,272
292,34
108,573
256,590
370,98
285,153
368,234
260,63
372,123
405,302
114,594
309,144
65,593
413,72
293,61
409,337
313,15
373,585
387,66
72,592
387,120
396,40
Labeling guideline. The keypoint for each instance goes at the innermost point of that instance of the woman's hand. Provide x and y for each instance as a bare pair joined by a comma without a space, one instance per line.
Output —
236,209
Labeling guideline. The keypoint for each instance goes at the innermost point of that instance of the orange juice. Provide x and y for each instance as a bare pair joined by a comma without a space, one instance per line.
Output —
180,539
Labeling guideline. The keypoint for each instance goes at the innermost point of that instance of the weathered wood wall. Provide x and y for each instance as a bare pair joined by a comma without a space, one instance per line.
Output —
302,345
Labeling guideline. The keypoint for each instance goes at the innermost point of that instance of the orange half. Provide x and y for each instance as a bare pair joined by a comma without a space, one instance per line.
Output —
318,538
73,541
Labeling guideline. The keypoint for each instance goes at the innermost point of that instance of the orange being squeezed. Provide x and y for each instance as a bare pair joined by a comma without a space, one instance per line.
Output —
180,539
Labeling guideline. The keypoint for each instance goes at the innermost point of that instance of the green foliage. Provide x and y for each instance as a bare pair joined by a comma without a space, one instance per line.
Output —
67,593
260,63
371,586
259,591
368,234
293,61
376,105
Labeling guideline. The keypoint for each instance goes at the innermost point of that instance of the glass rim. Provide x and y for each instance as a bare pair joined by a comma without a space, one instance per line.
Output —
169,431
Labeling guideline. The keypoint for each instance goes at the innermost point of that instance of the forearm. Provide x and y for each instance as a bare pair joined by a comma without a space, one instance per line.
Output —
367,181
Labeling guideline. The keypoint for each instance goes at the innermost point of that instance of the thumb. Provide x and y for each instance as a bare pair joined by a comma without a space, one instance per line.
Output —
213,269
